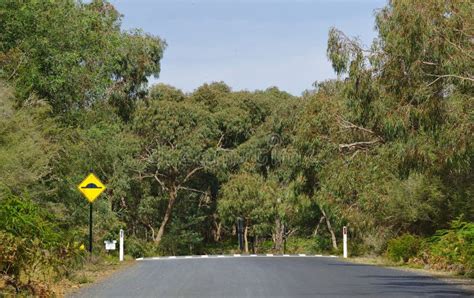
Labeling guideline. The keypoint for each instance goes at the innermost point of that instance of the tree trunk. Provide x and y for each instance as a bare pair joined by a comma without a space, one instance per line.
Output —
328,223
217,231
152,231
166,218
246,239
279,234
317,227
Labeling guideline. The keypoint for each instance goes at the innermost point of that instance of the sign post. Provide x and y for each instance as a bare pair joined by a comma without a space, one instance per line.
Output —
344,239
91,188
121,246
90,227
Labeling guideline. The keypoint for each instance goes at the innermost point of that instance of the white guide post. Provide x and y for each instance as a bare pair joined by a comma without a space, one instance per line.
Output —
344,239
121,246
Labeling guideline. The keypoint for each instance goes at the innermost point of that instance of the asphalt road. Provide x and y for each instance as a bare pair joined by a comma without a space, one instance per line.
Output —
266,277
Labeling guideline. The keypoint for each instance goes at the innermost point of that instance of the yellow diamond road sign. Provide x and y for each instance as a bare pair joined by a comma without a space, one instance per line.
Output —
91,187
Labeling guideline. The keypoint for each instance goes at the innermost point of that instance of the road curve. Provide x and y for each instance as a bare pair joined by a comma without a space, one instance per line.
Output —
276,276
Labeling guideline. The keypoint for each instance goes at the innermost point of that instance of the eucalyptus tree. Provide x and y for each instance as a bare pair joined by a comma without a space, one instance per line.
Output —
178,143
405,117
248,196
27,144
73,54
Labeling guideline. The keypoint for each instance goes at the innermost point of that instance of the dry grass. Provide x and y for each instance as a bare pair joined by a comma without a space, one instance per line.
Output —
93,271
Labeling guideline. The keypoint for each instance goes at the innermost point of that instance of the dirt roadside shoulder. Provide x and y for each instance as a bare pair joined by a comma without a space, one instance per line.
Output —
89,275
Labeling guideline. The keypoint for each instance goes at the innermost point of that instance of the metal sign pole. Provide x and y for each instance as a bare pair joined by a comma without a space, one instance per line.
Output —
90,228
91,187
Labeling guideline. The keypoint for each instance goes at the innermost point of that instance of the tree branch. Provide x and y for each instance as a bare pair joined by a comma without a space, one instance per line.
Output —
438,77
162,184
219,143
192,189
190,174
358,144
349,125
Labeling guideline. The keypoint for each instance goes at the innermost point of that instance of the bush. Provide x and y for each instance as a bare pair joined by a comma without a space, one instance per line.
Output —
31,246
181,239
403,248
139,248
453,248
322,244
181,243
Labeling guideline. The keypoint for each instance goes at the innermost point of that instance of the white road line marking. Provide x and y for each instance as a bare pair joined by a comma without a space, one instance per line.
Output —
234,255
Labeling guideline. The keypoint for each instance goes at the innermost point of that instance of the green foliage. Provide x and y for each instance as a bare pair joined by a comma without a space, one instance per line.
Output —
181,241
248,197
415,203
313,245
24,219
73,54
26,142
138,248
165,92
322,244
453,248
403,248
31,243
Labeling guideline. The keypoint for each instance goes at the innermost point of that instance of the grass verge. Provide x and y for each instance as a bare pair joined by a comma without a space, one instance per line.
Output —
450,277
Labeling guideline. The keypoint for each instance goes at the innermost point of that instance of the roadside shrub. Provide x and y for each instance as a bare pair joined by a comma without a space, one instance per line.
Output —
32,247
181,243
299,245
453,248
138,248
225,246
403,248
322,244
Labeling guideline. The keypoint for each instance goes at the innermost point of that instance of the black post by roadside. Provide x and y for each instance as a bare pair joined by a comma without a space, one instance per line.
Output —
90,228
240,231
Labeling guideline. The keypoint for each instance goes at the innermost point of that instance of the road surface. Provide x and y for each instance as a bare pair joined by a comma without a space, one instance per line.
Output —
266,276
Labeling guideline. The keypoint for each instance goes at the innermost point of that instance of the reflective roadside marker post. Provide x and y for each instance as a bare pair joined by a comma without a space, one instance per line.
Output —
91,188
121,246
344,239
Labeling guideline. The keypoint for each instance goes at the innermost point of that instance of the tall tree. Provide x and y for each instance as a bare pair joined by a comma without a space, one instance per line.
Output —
178,142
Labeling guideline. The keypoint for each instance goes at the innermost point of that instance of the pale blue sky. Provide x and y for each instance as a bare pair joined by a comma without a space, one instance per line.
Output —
248,44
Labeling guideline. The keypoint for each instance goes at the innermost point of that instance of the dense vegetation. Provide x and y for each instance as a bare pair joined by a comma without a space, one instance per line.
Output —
386,149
